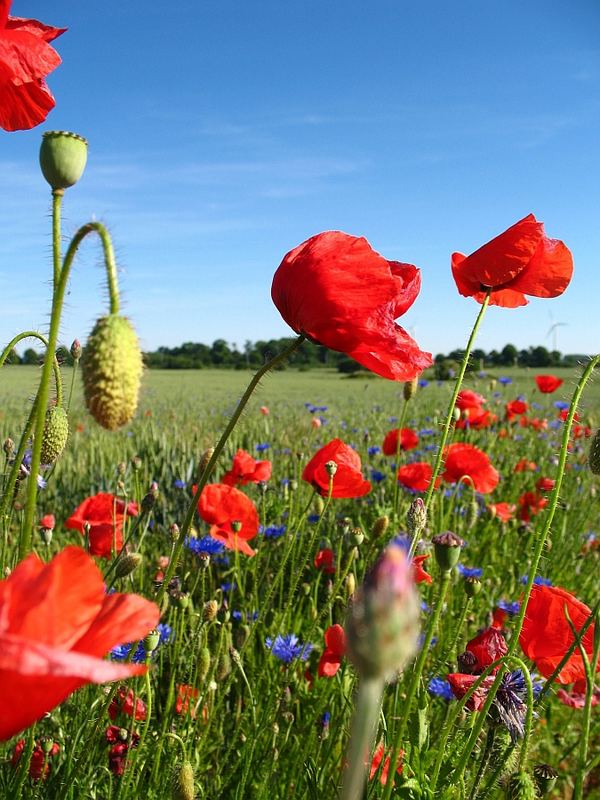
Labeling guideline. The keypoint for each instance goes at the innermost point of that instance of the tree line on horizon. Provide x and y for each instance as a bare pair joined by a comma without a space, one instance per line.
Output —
224,355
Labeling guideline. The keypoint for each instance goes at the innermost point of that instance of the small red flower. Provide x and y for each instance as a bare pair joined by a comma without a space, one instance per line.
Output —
26,59
123,702
503,511
186,699
264,410
48,522
466,460
469,399
524,465
530,505
577,696
339,292
376,761
246,469
546,635
348,480
56,625
416,476
476,419
105,514
515,407
121,741
408,441
39,766
545,484
225,507
521,261
419,573
325,561
335,649
548,383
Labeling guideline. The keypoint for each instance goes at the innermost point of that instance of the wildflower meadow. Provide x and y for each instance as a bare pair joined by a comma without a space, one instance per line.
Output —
286,583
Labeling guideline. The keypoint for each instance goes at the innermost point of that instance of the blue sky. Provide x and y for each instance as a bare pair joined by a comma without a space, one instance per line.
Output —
222,134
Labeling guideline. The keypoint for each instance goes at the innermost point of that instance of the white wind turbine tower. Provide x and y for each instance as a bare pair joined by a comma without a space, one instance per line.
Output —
553,331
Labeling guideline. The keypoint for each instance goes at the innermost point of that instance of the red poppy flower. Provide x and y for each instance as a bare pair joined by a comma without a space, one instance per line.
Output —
56,624
530,505
225,507
246,469
548,383
39,766
408,441
487,647
577,696
25,60
419,573
121,741
376,761
516,407
545,484
186,699
416,476
503,511
348,480
476,419
104,513
524,465
564,413
466,460
123,703
335,649
325,561
48,522
469,399
339,292
546,635
521,261
460,683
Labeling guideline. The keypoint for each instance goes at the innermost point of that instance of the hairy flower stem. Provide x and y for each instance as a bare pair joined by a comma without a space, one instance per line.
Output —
485,760
395,514
449,416
539,548
366,713
203,480
61,276
590,672
415,677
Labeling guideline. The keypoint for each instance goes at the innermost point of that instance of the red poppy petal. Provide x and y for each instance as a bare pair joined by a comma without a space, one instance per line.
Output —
335,639
33,27
25,106
121,618
329,664
549,272
26,57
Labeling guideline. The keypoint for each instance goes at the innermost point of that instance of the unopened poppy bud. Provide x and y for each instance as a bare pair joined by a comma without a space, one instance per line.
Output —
275,729
380,526
203,663
174,531
416,517
350,584
63,156
545,778
76,350
203,560
471,514
447,548
9,447
136,463
46,743
204,459
382,625
128,564
357,536
223,667
319,505
467,662
520,787
594,456
152,641
331,468
209,610
242,633
472,586
183,782
236,526
306,589
456,413
56,434
121,468
409,389
149,501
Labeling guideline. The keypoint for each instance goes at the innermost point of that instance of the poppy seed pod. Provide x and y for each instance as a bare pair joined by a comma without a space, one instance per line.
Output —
447,547
111,367
545,778
56,433
63,156
382,626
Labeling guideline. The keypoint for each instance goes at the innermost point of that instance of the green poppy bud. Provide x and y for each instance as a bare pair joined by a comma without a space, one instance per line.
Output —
63,156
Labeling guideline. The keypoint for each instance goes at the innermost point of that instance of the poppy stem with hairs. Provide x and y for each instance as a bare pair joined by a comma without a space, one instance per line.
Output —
476,730
590,671
449,416
366,713
62,271
203,479
395,514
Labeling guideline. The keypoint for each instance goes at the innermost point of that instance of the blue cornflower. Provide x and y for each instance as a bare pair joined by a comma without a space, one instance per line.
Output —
228,586
560,405
206,545
504,380
288,647
392,419
250,616
536,406
326,719
439,687
423,383
178,483
121,651
313,517
424,607
165,631
469,572
511,608
377,476
372,451
427,432
510,703
260,448
274,531
538,580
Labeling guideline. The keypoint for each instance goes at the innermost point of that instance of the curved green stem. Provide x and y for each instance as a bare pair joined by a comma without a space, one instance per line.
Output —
55,366
366,712
416,677
203,479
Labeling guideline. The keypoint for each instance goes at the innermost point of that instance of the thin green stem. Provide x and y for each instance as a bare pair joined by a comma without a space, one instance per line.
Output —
590,671
366,713
397,467
57,196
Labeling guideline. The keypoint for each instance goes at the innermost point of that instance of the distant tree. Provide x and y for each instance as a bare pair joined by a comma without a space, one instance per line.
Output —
539,357
509,355
349,366
12,358
30,356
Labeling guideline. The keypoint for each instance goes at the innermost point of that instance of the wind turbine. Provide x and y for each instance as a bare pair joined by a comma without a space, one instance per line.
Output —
553,331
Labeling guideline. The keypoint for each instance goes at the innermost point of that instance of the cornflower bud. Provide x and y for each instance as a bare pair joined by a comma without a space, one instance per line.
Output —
447,548
382,625
380,526
416,518
76,350
409,389
128,564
